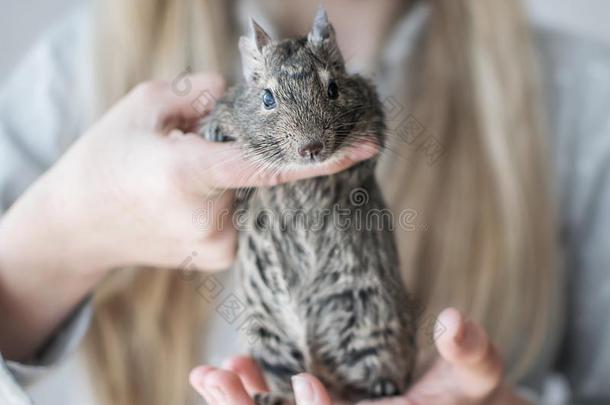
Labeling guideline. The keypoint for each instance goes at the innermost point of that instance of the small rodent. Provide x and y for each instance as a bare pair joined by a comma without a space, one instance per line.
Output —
326,299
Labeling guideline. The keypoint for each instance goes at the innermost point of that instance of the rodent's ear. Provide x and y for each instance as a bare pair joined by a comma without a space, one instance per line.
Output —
261,38
322,29
322,36
251,59
251,50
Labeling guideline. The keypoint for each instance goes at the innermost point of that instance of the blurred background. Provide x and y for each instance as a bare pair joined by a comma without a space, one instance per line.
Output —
22,21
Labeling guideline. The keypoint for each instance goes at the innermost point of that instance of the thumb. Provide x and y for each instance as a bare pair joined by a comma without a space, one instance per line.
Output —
308,390
466,347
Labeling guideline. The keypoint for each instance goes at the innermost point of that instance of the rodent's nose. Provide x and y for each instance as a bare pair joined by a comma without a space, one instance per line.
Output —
311,150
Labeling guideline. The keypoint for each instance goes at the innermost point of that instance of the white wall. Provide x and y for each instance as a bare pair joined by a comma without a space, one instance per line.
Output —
21,21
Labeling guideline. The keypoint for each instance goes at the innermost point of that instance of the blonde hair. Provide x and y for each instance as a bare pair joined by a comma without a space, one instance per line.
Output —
488,246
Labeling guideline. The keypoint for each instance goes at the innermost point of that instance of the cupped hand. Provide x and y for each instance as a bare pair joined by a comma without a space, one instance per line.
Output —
467,371
138,183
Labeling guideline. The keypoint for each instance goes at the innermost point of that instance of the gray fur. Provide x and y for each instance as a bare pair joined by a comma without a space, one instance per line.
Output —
328,300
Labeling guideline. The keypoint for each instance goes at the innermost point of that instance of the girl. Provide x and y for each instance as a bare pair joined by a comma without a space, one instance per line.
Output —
504,157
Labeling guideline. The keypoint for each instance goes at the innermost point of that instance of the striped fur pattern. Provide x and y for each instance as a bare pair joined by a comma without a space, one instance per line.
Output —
325,295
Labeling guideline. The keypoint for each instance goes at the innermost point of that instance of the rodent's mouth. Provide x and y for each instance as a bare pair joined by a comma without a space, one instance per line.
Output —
312,151
329,157
317,153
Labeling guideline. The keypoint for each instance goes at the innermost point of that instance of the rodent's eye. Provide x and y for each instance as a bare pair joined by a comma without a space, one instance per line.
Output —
333,90
268,99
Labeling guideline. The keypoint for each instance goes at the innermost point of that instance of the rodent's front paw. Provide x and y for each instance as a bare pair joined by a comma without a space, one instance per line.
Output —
211,131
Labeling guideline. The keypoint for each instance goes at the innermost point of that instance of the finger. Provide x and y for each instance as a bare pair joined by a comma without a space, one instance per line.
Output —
225,167
196,379
222,387
248,372
308,390
467,348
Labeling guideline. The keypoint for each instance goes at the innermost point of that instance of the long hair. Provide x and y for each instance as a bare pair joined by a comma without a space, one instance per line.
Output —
487,247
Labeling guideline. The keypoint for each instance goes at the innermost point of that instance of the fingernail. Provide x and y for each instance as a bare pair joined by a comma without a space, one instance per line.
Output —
303,391
216,392
197,376
451,320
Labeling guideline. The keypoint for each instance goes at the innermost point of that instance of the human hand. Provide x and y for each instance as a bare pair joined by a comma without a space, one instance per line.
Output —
135,179
468,371
124,194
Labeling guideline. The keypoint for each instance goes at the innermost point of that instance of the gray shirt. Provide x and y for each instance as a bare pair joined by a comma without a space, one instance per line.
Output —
43,108
577,76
